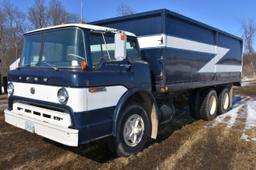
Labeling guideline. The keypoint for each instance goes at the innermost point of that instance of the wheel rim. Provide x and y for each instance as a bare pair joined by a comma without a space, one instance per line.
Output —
213,105
226,101
133,130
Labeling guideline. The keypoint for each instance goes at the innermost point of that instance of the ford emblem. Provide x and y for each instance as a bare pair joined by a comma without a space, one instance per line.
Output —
32,90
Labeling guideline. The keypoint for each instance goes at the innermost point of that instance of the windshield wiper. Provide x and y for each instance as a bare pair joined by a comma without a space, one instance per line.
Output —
51,65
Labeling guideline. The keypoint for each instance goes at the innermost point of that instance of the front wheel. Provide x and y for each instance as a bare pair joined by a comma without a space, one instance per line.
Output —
133,129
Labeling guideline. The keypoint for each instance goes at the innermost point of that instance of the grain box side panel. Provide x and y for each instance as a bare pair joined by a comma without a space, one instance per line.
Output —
185,54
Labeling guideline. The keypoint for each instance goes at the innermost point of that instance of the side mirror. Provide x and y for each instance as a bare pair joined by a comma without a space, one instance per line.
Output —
120,46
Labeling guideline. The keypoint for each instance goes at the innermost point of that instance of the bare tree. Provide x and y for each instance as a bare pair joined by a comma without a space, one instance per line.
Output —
12,28
2,16
38,14
124,10
13,24
249,31
58,14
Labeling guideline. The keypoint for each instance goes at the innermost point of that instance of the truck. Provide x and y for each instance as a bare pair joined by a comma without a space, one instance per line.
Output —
118,78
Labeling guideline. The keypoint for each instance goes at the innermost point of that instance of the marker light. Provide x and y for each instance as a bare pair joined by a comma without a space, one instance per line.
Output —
63,96
122,36
83,65
82,22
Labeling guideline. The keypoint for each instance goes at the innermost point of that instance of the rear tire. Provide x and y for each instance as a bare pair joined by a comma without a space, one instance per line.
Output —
133,131
224,101
209,105
194,104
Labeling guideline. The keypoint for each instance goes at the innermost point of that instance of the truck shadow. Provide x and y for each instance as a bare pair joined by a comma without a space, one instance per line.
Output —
99,152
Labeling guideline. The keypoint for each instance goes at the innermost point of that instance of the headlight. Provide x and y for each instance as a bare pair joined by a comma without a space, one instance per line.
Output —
63,95
10,89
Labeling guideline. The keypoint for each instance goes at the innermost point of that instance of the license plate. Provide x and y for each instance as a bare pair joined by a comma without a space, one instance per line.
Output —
29,126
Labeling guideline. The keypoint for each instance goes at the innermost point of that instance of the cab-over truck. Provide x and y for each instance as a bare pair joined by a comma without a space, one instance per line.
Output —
77,83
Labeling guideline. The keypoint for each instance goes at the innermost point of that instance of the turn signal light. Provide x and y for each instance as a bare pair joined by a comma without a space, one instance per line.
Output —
83,65
82,22
122,36
97,89
93,89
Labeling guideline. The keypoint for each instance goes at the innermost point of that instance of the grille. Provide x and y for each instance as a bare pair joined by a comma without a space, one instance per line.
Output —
43,114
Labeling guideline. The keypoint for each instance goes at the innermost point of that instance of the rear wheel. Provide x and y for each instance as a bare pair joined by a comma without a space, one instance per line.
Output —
194,104
209,105
133,131
224,101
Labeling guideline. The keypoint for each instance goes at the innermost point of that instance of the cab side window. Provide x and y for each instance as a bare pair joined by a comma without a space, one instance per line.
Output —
102,48
132,49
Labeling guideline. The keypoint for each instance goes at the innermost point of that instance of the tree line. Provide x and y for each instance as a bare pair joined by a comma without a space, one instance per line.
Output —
14,23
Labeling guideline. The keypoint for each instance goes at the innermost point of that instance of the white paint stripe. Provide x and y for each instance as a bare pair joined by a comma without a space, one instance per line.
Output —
211,65
77,96
80,99
184,44
154,41
104,99
86,26
228,68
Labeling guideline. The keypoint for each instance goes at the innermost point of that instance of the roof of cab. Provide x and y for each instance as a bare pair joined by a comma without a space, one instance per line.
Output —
86,26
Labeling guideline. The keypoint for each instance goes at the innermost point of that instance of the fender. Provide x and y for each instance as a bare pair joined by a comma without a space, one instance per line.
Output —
153,117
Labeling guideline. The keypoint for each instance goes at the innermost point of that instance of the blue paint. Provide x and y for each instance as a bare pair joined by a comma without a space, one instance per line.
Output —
175,67
91,124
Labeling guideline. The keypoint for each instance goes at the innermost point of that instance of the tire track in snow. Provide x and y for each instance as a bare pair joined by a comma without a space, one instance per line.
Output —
231,117
243,112
250,124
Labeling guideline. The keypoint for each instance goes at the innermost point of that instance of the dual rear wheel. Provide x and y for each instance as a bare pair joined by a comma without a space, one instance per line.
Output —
207,104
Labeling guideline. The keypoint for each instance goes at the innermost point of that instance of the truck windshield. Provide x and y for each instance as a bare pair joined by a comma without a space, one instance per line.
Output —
62,48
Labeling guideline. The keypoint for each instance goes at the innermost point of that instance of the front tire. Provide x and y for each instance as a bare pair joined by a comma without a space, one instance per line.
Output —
133,130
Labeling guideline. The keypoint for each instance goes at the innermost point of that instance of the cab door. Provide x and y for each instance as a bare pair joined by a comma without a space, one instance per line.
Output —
109,78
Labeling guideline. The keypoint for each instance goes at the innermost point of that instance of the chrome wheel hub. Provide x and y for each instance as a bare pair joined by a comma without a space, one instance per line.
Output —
133,130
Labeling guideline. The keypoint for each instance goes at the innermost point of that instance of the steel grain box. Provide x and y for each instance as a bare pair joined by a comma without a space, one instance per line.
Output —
183,53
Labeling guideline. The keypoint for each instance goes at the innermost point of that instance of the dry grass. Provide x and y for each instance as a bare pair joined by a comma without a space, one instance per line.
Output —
184,144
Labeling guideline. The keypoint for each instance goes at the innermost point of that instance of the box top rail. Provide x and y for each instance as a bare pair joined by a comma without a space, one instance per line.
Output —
163,12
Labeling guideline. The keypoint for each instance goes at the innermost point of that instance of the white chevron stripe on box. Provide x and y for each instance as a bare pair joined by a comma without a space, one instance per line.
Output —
154,41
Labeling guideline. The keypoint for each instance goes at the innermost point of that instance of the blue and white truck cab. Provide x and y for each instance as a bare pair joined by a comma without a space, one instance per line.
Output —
78,83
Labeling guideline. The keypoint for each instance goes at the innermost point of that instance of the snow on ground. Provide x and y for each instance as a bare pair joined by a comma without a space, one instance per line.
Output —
250,121
244,108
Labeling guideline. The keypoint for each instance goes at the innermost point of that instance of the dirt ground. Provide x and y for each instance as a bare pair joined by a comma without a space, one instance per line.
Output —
182,144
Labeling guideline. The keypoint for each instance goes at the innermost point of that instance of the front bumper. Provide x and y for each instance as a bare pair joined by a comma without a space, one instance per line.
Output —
56,133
